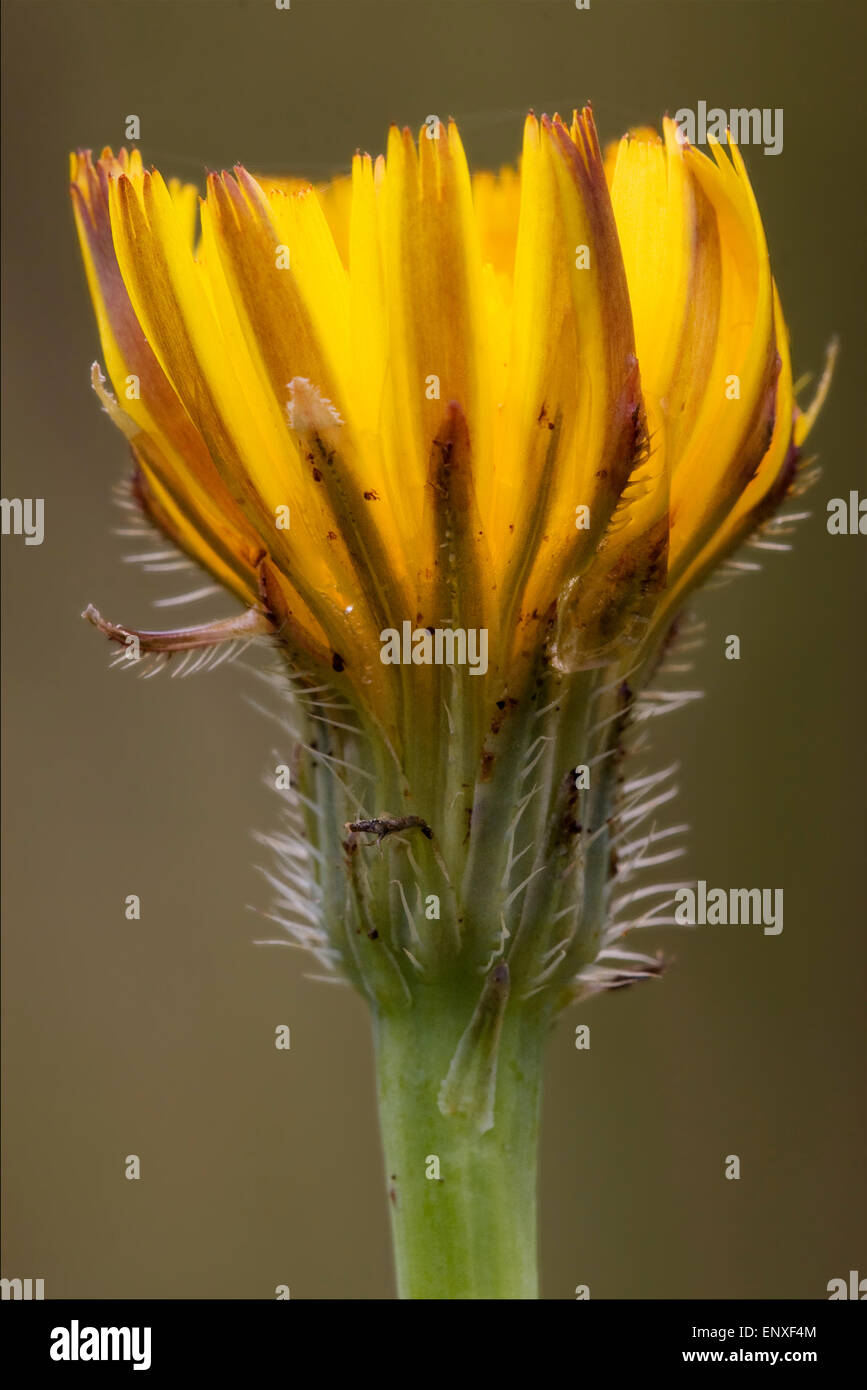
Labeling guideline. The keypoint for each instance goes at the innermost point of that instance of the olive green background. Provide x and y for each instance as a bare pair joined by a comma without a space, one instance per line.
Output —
156,1037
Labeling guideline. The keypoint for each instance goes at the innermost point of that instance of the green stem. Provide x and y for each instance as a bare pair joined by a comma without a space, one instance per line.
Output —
469,1232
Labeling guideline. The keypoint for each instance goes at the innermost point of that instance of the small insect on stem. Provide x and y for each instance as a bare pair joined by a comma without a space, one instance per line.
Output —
381,826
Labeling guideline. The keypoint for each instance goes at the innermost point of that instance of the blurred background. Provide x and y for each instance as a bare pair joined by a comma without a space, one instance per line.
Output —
155,1037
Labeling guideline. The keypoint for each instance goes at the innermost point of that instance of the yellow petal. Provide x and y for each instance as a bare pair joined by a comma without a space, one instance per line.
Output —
573,424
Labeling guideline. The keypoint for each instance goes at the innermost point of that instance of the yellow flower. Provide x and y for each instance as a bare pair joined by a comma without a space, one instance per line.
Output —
461,446
538,406
527,397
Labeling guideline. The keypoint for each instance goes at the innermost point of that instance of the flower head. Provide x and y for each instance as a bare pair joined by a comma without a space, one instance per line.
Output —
404,410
